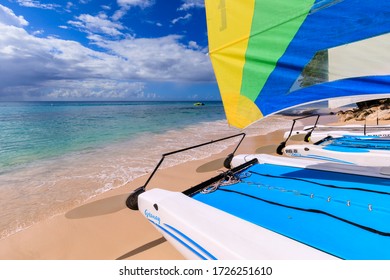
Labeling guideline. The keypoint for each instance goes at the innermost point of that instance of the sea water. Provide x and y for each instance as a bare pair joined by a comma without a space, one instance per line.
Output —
56,155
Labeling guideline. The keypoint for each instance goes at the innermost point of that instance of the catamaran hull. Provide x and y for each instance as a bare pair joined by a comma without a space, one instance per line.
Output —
199,231
315,164
320,135
357,156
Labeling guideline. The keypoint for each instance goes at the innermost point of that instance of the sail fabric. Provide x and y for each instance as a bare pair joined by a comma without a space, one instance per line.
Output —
269,55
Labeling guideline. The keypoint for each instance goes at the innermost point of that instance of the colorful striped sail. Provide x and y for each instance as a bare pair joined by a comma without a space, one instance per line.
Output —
269,55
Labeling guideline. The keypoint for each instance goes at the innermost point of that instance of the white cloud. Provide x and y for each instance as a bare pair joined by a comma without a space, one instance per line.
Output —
38,32
68,7
189,4
37,4
94,89
152,22
97,24
8,17
106,7
134,3
159,59
52,67
186,17
30,61
194,45
126,5
119,14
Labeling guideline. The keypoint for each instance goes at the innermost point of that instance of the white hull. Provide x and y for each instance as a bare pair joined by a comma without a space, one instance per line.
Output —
363,157
199,231
315,164
318,136
347,127
322,131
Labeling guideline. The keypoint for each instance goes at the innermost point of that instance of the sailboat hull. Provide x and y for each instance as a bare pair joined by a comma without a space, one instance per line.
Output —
200,231
322,132
360,152
295,209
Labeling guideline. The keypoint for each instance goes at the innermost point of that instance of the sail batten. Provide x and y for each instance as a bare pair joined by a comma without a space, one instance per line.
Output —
261,53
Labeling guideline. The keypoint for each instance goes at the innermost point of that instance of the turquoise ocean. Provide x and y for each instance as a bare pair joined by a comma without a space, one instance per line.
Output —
57,155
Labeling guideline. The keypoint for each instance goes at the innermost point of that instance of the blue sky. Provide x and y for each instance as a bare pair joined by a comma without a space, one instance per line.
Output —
104,50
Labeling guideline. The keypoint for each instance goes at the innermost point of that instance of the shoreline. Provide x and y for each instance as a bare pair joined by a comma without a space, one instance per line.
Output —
103,228
49,187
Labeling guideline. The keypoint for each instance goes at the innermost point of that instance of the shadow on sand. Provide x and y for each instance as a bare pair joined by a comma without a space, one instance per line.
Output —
269,149
299,137
143,248
100,207
211,166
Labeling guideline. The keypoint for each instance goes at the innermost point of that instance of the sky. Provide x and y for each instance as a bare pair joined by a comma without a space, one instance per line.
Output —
104,50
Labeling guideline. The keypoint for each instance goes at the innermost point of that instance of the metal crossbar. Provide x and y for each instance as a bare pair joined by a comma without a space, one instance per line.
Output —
194,147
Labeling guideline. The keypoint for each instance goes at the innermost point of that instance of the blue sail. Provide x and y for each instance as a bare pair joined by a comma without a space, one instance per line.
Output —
342,23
